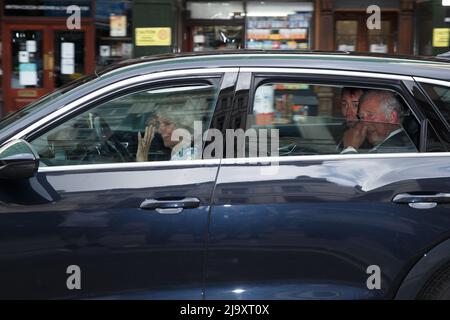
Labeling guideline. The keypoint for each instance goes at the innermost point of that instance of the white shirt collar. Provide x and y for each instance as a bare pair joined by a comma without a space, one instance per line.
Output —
393,133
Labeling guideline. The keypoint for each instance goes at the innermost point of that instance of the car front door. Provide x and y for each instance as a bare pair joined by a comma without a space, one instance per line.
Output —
94,222
315,222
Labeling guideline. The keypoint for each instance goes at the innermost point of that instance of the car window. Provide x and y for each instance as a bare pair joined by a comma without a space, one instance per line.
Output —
441,98
313,119
149,125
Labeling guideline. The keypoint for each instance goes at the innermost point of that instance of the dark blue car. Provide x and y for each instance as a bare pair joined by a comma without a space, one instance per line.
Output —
272,188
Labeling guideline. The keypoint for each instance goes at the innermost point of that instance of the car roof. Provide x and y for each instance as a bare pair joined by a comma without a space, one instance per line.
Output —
428,67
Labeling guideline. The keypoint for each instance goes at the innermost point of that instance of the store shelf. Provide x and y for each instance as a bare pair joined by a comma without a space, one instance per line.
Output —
289,33
273,39
278,28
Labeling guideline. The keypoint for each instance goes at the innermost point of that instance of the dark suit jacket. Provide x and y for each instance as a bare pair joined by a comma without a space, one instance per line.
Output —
399,142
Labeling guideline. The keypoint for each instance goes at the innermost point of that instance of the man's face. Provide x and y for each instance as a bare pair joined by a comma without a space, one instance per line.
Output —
379,124
349,105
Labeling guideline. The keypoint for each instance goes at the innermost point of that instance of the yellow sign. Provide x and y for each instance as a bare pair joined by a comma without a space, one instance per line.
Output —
27,93
441,37
153,36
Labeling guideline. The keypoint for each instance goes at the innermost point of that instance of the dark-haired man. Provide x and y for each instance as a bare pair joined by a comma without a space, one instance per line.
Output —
349,103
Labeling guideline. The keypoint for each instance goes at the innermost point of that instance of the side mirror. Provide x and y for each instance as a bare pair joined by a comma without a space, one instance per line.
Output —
18,160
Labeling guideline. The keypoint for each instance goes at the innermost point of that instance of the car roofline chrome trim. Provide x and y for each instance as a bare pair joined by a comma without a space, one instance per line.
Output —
433,81
251,160
327,72
300,56
117,85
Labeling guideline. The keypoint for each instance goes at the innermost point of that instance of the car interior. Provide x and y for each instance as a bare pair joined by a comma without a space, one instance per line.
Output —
309,119
109,132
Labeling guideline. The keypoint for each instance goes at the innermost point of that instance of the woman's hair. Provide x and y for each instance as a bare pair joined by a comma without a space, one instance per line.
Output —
173,114
182,115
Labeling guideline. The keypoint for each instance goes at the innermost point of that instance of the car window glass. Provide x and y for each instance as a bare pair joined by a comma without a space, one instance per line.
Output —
149,125
441,98
320,119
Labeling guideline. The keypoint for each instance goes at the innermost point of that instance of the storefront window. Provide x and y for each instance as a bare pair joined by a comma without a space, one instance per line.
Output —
218,37
113,27
250,24
69,59
215,10
279,25
424,27
379,38
216,25
352,34
346,35
27,62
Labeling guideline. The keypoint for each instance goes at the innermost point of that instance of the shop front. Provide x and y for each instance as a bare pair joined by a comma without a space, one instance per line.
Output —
343,25
433,28
212,25
40,52
352,34
113,28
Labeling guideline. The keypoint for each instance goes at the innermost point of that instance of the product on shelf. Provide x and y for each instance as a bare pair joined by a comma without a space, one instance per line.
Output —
289,32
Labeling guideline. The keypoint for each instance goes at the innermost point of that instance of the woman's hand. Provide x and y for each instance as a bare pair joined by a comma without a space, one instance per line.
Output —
144,143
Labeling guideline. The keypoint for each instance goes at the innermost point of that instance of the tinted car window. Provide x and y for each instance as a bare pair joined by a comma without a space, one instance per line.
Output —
134,127
441,98
321,119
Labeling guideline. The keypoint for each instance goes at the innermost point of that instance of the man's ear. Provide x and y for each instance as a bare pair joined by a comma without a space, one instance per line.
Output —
394,117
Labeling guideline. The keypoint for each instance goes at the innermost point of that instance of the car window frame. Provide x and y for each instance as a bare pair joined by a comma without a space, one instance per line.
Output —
442,124
73,109
335,78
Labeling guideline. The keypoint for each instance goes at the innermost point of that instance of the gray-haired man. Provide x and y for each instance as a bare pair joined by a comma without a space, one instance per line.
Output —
381,115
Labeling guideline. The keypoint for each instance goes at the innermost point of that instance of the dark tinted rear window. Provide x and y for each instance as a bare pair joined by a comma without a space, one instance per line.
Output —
441,98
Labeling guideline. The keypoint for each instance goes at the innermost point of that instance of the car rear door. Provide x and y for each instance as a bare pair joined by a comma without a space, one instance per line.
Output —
313,223
126,229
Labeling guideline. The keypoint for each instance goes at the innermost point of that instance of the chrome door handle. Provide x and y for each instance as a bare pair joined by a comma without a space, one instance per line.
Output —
422,201
413,198
170,206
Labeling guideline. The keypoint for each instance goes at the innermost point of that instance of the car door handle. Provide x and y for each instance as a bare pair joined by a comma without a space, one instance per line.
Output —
170,206
422,201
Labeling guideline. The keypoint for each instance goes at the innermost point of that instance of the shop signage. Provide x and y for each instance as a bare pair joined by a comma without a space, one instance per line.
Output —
42,8
67,57
27,93
379,48
346,47
153,36
28,74
441,37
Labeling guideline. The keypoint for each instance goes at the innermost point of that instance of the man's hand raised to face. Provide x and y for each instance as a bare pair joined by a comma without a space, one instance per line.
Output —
355,136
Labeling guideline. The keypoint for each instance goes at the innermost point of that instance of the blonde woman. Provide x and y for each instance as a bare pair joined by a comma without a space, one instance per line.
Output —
168,119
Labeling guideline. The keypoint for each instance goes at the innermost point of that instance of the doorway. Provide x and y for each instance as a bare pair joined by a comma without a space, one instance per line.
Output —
352,34
38,58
